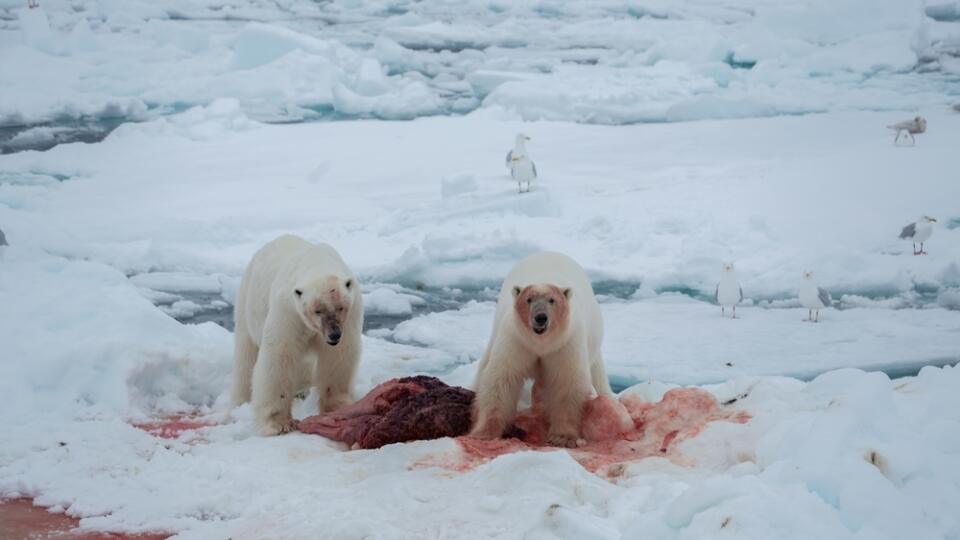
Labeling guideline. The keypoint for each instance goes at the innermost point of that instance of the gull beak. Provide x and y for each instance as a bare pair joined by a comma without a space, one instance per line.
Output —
527,138
933,220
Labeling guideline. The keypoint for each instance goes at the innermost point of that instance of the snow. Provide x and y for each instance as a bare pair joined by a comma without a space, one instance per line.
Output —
386,301
123,227
798,469
671,137
609,62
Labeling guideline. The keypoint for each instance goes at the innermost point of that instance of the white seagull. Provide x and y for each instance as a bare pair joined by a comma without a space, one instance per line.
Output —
728,292
918,231
813,298
910,128
521,166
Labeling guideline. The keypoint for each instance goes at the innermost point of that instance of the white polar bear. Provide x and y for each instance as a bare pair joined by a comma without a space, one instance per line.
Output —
547,326
299,318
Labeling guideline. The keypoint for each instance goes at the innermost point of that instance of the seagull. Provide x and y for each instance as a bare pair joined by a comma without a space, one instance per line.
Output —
812,297
919,231
729,292
911,127
521,167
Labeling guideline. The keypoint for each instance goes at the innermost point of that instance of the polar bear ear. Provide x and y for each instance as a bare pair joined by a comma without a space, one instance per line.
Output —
567,292
516,291
298,292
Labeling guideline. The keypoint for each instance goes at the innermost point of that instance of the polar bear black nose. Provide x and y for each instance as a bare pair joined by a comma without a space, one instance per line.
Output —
333,337
540,319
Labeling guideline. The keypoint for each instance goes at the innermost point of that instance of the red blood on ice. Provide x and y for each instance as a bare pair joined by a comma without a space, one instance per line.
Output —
614,432
399,410
20,519
417,408
172,427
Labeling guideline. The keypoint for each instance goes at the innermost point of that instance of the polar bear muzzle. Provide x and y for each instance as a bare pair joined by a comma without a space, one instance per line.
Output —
542,307
332,315
325,305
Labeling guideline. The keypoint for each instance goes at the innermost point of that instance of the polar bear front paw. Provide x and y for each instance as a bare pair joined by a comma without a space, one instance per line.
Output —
278,426
564,440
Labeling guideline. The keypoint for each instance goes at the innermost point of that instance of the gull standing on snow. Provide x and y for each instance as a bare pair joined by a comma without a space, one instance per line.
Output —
918,231
729,292
813,298
910,128
521,166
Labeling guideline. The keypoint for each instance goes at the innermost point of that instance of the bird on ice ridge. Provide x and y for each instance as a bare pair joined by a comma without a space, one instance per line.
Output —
918,232
521,166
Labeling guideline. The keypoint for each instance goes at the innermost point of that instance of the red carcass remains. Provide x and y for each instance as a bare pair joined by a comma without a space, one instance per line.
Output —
399,410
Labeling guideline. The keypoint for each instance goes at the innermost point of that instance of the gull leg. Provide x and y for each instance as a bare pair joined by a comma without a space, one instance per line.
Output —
734,311
818,316
722,312
809,316
922,252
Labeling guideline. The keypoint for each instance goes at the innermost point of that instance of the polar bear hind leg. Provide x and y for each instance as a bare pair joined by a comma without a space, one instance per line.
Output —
598,375
245,356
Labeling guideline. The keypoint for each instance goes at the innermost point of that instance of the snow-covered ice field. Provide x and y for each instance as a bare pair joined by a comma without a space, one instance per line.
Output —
670,138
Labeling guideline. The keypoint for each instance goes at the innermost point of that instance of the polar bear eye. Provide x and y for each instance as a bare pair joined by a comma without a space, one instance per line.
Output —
551,300
298,292
318,312
349,283
529,300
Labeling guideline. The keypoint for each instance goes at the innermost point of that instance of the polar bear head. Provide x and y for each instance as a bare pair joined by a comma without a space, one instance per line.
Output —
324,305
543,309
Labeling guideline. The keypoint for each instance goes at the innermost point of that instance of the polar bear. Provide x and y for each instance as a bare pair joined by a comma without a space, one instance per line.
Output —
547,327
299,318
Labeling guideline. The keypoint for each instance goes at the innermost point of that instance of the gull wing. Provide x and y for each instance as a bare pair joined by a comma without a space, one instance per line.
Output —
824,296
909,231
509,158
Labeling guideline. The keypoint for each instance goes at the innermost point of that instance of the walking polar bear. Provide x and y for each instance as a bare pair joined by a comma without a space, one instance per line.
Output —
299,318
547,326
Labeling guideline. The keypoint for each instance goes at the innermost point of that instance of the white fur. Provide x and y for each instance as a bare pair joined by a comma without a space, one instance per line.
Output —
568,364
279,349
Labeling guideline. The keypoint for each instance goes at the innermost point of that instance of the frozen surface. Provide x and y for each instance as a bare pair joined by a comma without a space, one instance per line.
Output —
850,455
102,235
609,62
115,411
